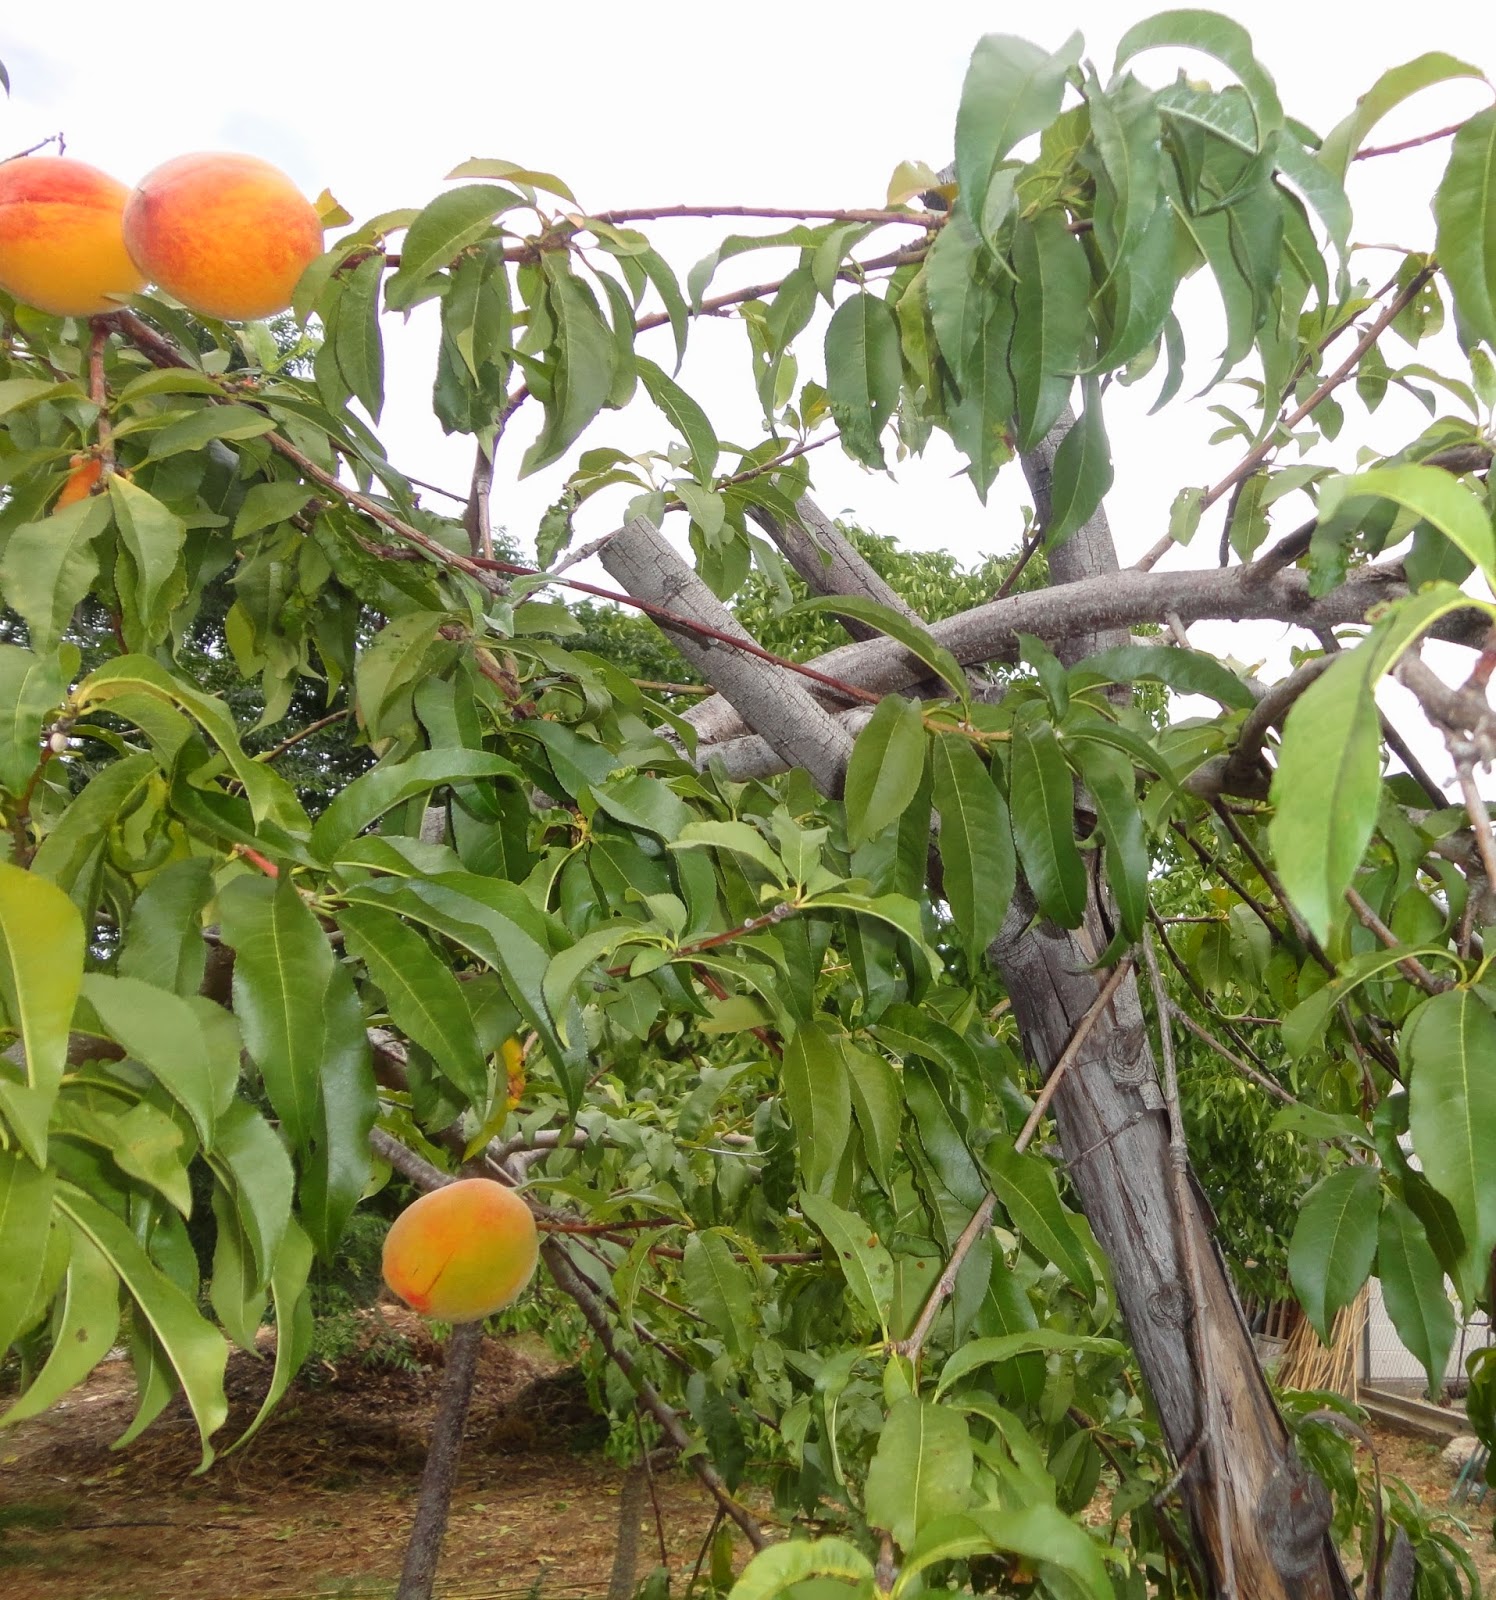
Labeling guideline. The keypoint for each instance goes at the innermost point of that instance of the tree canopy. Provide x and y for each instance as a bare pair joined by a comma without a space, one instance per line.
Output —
838,898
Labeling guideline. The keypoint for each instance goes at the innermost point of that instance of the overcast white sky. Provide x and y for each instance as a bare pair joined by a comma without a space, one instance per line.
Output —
664,101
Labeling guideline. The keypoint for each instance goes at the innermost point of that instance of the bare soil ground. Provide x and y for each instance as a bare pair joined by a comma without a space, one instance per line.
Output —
319,1504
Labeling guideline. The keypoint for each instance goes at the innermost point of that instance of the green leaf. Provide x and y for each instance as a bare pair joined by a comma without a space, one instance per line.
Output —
1067,1557
193,1345
271,798
15,393
153,538
382,788
357,344
1053,321
85,1333
72,847
865,1263
1217,36
718,1288
1334,1241
495,922
190,1046
1041,797
813,1078
863,374
667,286
921,1470
1413,1290
163,943
1465,208
266,505
905,630
1026,1188
201,427
584,362
979,420
688,419
1108,776
1082,472
422,996
293,1323
1008,1346
1326,788
1436,496
878,1105
738,837
251,1162
644,803
781,1566
49,566
31,687
511,172
1012,89
25,1216
447,226
976,842
282,967
884,772
1390,90
1451,1042
41,966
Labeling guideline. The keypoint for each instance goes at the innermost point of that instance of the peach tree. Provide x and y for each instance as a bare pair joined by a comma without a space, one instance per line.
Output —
839,1006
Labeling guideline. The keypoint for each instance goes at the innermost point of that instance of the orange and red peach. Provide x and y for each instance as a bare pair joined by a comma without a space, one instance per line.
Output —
463,1251
228,235
87,470
62,246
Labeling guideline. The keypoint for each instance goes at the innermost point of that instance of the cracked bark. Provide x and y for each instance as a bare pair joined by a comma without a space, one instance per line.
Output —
1108,1108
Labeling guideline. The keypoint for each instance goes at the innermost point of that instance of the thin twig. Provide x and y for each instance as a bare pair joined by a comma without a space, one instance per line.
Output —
945,1285
1372,151
1261,1079
1480,816
1212,1425
927,220
1260,452
571,1282
1410,966
304,733
1072,1050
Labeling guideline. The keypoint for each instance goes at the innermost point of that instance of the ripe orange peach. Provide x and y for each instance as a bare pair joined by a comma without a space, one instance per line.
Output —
462,1252
228,235
62,247
86,472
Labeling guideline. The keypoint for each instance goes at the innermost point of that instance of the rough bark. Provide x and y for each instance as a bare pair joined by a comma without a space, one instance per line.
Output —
1108,1108
1115,1137
769,700
821,554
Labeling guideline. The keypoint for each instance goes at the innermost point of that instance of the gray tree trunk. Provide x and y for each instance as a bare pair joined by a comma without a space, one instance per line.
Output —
1108,1107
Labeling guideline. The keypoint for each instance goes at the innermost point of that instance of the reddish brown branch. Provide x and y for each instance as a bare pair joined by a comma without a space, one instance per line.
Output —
1407,144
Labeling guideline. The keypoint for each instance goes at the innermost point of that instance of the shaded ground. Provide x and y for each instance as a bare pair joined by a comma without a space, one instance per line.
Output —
319,1503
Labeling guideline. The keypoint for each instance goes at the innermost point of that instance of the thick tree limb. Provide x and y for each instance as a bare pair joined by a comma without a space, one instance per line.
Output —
773,702
827,562
1092,605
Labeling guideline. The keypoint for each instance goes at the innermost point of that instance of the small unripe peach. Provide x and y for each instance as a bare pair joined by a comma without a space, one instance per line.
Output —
86,472
62,246
463,1251
228,235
